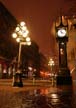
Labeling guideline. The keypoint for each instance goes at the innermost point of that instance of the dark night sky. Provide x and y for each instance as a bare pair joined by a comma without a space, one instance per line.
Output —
39,16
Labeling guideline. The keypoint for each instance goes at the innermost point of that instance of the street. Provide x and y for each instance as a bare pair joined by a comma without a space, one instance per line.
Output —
39,95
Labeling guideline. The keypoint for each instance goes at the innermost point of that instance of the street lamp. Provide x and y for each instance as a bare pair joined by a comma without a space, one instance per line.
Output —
21,36
51,63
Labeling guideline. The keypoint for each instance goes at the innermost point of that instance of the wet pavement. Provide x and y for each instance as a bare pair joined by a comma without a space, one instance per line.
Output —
38,97
49,98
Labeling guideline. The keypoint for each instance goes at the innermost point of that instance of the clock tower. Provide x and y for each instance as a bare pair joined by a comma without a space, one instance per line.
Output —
63,75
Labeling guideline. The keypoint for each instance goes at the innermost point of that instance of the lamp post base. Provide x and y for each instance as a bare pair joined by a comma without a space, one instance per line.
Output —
63,77
64,80
17,80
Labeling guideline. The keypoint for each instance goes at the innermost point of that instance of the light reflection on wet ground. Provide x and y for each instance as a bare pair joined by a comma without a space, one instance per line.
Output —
39,97
47,98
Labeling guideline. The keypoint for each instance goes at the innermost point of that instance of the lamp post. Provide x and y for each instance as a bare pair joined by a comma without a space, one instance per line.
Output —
51,63
63,76
21,36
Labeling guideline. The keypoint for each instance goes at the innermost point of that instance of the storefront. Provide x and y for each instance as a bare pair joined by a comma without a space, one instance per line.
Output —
4,63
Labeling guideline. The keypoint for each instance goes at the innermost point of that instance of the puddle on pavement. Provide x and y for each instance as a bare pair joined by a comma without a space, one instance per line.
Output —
47,98
39,98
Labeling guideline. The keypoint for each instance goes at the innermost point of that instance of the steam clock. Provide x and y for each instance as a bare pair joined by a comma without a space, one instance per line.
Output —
63,76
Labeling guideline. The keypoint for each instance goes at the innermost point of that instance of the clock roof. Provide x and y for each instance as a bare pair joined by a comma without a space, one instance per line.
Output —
61,25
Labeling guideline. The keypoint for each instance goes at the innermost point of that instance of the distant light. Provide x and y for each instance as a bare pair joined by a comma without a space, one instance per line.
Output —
24,34
18,39
62,43
54,95
22,23
28,43
51,62
30,68
20,32
14,35
27,31
17,29
28,39
24,28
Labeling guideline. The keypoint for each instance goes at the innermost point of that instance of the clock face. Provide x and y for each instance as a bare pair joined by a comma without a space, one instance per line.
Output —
61,33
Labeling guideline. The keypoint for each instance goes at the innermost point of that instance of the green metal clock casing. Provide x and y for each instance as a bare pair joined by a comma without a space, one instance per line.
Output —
61,32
